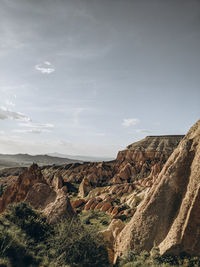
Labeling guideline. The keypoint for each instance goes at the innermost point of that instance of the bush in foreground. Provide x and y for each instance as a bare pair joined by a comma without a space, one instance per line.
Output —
144,259
26,239
77,245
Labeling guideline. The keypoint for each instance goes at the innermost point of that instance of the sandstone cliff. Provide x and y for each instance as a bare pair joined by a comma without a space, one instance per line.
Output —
168,217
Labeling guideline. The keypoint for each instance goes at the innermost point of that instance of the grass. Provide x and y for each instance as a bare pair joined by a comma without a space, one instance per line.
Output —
145,259
26,239
96,218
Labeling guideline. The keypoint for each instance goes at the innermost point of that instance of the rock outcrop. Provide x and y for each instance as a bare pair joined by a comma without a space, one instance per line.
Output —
18,190
115,187
168,217
110,234
59,208
32,188
141,162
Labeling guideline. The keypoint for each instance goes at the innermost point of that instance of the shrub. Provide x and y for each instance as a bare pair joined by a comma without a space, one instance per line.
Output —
77,245
13,248
28,220
144,259
21,233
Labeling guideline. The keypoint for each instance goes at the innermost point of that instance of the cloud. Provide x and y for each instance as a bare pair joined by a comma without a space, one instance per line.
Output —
7,114
47,63
34,131
10,103
31,131
45,67
31,124
143,131
130,122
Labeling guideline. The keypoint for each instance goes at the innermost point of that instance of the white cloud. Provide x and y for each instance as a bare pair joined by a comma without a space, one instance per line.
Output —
130,122
143,131
10,103
31,124
45,67
34,131
47,63
7,114
31,131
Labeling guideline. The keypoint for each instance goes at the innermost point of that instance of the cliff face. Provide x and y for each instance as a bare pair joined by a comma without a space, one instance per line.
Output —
143,159
147,157
168,217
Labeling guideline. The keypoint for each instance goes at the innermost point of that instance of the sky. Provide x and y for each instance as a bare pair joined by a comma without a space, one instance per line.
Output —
89,77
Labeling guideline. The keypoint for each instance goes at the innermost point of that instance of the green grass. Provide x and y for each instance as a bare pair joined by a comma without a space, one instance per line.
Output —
145,259
98,219
26,239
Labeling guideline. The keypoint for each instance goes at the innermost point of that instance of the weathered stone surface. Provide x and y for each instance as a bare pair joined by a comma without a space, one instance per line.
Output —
110,235
106,206
143,159
121,182
77,203
18,190
57,182
31,187
60,208
40,195
168,217
84,187
89,204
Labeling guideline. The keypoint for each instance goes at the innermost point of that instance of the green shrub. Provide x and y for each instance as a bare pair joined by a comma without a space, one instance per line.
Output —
28,220
97,218
77,245
144,259
13,248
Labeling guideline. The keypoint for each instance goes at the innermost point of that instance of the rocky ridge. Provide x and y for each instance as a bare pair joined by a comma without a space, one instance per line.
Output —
168,217
115,187
32,188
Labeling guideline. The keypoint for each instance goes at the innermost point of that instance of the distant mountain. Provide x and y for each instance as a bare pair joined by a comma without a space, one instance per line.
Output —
24,160
80,158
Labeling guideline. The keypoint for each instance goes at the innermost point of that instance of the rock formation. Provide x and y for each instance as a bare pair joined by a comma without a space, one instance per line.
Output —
115,187
59,208
32,188
141,161
18,190
168,217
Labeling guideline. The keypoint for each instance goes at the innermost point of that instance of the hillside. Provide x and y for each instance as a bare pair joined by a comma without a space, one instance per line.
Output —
25,160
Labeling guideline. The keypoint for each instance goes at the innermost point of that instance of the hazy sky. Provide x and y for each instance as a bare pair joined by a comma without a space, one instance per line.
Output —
92,76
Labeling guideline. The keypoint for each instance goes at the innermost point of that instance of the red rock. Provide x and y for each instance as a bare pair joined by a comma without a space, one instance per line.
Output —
89,204
115,211
18,191
99,206
94,205
106,206
110,210
77,203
